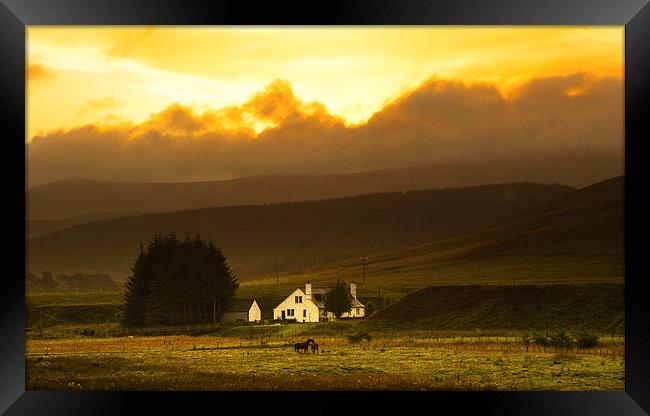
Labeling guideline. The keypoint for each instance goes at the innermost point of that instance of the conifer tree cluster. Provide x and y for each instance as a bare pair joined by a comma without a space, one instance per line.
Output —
178,281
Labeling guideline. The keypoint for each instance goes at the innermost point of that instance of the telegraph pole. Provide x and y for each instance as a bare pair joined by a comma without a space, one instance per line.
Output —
277,279
363,259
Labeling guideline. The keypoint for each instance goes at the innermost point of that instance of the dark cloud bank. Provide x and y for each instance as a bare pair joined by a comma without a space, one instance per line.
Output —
562,129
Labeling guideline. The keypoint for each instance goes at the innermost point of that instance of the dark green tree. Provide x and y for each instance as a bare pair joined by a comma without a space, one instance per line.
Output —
339,300
370,308
48,282
137,286
178,282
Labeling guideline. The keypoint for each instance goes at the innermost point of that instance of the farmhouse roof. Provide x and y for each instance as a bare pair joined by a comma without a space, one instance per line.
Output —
242,305
357,304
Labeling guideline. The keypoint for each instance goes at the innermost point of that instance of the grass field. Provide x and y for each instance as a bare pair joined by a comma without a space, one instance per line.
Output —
68,313
394,363
76,298
578,308
452,262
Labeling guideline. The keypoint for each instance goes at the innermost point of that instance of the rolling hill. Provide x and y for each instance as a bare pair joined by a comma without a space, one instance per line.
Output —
575,308
73,198
577,238
292,236
34,228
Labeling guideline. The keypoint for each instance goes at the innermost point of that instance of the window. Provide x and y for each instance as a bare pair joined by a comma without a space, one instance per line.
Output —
304,313
290,312
298,299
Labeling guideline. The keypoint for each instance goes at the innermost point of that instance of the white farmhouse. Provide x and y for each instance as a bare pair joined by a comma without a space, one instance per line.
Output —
309,305
243,310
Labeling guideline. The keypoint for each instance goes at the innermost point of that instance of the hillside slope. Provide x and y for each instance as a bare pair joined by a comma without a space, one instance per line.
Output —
34,228
598,307
291,236
576,238
64,199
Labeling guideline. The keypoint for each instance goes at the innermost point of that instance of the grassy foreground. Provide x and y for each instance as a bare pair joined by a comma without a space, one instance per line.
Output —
220,363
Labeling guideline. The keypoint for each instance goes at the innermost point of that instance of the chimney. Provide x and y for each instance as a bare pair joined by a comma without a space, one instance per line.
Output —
353,290
308,290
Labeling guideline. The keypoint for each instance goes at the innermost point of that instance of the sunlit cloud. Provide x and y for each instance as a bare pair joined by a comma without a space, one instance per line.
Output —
438,122
352,71
98,105
39,72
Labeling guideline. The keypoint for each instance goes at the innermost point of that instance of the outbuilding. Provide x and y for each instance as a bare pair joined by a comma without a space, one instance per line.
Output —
243,310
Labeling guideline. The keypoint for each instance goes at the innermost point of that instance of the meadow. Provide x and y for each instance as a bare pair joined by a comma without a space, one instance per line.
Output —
263,360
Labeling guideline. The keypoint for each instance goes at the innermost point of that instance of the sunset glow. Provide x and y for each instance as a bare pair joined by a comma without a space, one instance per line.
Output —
114,75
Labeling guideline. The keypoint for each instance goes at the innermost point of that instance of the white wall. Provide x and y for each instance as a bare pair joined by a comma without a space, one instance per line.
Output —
255,313
354,313
305,311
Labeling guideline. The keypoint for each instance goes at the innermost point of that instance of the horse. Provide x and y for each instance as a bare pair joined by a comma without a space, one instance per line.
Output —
314,347
302,345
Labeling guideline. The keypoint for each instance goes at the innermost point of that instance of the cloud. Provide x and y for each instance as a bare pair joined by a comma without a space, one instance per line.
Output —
574,118
40,72
97,105
125,45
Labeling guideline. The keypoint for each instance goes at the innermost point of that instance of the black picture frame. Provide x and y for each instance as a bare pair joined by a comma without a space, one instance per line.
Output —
634,14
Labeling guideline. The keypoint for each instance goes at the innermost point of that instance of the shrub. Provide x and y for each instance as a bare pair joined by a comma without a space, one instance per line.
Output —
540,339
561,340
587,341
87,332
359,336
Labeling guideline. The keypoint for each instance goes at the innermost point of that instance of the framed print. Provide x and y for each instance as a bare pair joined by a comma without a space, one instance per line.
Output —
377,198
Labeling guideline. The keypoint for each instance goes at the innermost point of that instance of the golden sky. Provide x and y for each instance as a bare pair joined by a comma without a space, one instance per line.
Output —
91,75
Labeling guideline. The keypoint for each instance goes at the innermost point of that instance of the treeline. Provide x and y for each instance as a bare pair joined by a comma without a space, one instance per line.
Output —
46,282
178,281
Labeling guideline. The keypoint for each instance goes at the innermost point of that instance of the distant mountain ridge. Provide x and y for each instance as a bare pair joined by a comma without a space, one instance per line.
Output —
66,199
291,236
34,228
